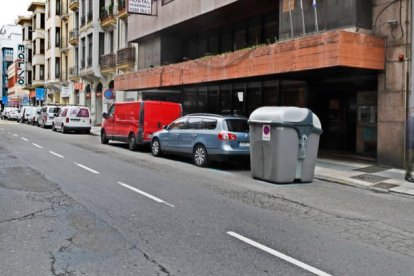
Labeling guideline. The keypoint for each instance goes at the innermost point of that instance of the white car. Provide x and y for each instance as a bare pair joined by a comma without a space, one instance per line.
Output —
24,113
46,116
72,118
6,111
34,115
13,114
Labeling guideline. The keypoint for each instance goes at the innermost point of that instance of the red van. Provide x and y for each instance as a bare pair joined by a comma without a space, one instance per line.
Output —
135,122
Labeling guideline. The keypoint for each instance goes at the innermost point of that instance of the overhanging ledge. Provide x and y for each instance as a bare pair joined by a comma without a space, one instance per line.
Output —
324,50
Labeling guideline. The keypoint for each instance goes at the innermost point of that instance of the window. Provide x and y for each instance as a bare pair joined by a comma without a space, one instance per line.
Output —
179,124
30,33
193,123
64,112
237,125
208,124
42,72
57,37
42,46
58,7
83,112
42,21
57,67
111,111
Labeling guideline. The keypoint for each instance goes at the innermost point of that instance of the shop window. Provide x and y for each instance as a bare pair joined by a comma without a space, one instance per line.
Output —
293,93
238,99
190,100
225,99
202,99
213,99
270,92
254,96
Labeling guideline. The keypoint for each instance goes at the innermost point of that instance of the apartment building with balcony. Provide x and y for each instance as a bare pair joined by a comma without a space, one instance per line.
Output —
345,60
90,45
74,58
119,57
26,23
18,94
10,39
37,10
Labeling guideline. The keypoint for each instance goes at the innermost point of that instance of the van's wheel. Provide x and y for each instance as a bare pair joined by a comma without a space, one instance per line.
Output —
132,145
104,139
200,156
63,128
156,147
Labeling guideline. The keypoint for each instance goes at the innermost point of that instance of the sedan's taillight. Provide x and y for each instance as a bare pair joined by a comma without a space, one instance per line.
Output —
226,136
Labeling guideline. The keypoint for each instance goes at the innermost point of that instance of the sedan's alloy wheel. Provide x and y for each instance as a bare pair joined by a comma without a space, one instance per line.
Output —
200,156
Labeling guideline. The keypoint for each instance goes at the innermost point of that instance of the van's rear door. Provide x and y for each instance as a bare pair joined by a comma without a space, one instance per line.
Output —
158,114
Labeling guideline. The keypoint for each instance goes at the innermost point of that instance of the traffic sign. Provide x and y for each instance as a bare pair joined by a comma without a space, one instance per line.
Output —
266,132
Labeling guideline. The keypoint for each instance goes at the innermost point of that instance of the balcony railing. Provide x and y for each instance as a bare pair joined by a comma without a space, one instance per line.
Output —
126,56
107,61
73,72
89,61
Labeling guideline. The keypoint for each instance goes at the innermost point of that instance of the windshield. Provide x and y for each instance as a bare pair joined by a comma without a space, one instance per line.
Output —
53,110
237,125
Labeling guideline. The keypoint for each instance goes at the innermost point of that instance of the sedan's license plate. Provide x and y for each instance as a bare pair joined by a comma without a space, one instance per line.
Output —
244,144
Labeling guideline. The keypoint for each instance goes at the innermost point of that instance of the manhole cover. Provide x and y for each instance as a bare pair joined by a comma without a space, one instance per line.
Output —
369,178
385,186
373,169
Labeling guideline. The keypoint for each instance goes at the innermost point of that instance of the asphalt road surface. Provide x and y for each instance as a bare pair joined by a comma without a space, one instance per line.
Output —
71,206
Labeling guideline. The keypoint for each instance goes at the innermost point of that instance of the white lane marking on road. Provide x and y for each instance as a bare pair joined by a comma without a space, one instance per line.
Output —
24,139
15,135
278,254
86,168
145,194
1,128
38,146
56,154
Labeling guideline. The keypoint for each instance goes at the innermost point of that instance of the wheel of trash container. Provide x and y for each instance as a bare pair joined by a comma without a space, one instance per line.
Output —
156,147
200,156
104,139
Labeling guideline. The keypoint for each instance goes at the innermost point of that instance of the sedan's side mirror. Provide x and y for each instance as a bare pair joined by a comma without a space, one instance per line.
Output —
165,127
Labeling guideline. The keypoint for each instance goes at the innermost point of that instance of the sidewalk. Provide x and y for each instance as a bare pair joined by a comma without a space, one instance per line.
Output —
357,174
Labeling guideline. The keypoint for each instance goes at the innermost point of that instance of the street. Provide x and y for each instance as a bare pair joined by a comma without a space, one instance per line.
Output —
71,206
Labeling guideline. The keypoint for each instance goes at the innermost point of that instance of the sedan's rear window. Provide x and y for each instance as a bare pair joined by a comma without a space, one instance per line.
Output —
53,110
237,125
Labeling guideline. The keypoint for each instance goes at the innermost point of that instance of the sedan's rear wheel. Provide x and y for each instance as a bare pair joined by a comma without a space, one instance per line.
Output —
200,156
155,147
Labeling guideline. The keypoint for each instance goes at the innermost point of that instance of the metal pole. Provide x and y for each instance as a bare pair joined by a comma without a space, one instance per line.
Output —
303,17
410,104
315,10
291,22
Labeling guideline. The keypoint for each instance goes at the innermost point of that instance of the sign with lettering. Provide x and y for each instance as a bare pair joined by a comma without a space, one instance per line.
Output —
140,6
21,65
40,94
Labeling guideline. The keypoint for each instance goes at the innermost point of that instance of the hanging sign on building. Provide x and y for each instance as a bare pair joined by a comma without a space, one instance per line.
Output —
140,6
21,65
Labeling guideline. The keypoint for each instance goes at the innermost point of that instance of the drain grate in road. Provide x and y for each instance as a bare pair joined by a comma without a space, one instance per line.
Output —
373,169
370,178
385,186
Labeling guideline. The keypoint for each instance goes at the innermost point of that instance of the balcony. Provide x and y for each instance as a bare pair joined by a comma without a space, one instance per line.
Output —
107,18
122,10
74,37
74,5
126,58
108,63
74,73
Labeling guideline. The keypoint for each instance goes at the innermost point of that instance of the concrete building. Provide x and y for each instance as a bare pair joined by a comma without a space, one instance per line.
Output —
38,48
18,94
346,60
10,39
74,58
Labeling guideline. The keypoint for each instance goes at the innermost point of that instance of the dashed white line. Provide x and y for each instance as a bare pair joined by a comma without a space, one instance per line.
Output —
15,135
56,154
278,254
38,146
24,139
86,168
145,194
1,128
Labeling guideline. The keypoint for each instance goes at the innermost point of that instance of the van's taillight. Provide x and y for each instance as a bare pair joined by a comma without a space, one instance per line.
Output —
226,136
67,120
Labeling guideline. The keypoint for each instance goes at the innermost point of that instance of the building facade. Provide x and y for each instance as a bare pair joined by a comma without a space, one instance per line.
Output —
347,60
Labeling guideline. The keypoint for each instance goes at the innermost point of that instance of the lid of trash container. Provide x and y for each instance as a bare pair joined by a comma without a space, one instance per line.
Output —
285,115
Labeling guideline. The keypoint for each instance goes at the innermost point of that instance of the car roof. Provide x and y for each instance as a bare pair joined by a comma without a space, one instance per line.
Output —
210,115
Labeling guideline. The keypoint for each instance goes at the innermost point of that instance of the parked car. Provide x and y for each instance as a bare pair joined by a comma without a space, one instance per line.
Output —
205,137
25,111
47,114
6,110
13,114
34,115
72,118
135,122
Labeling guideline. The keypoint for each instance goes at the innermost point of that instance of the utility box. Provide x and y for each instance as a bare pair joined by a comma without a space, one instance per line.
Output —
284,144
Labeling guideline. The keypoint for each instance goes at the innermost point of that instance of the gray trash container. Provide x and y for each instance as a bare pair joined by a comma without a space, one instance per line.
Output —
284,144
